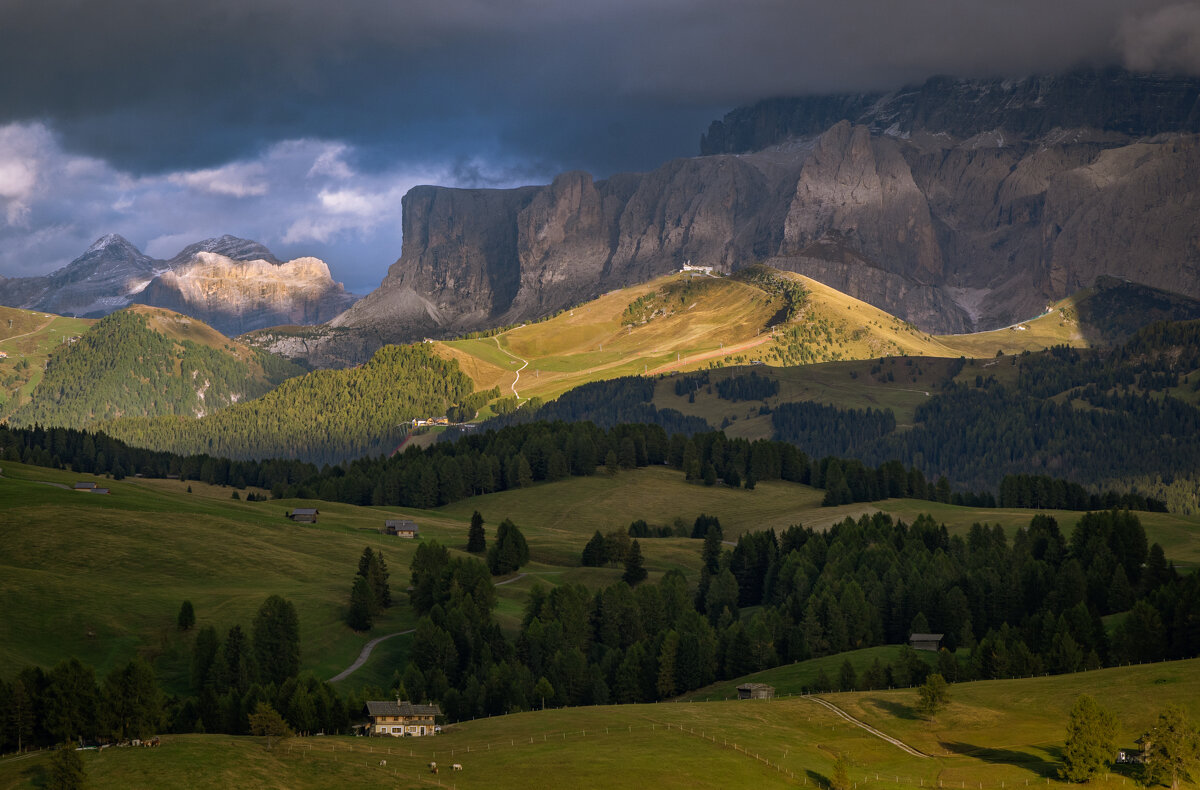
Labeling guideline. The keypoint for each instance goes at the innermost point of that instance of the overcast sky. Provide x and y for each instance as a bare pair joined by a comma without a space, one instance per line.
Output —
301,123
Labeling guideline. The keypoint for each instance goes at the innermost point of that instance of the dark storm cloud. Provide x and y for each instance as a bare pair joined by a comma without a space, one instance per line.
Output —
157,85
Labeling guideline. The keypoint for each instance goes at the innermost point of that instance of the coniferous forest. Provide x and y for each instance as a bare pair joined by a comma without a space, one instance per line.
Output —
1026,606
123,368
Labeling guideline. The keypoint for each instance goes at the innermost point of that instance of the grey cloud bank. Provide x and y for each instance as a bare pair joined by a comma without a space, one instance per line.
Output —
155,118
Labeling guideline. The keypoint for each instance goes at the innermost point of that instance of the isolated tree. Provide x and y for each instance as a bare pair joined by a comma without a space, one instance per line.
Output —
362,605
1091,740
277,640
509,551
1172,750
66,768
187,616
933,696
594,555
266,721
372,567
635,571
476,538
543,691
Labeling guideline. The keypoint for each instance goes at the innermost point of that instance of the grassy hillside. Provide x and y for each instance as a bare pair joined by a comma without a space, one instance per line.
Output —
102,577
161,545
28,338
995,734
798,678
681,322
149,362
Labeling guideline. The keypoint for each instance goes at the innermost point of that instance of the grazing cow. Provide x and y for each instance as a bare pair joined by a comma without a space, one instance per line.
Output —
456,767
383,763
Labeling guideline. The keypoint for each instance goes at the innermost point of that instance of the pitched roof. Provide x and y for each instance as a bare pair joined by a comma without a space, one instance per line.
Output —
400,523
925,637
82,486
304,511
390,707
752,686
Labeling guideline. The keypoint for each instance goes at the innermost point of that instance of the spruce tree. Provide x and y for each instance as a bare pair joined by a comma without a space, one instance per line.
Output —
594,552
362,605
509,551
187,616
635,571
476,538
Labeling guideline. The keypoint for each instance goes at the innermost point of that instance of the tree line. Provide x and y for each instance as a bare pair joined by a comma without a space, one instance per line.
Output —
230,677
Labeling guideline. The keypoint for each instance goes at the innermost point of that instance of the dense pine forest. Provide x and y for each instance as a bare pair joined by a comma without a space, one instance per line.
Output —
122,368
1019,607
326,416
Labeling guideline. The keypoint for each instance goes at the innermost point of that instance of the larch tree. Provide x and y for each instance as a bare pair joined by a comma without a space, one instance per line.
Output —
1091,740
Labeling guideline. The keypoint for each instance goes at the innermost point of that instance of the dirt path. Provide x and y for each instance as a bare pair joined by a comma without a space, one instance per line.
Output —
894,741
365,654
27,334
524,364
513,579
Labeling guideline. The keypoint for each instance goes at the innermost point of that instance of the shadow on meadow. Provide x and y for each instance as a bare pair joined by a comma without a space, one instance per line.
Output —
1046,767
897,710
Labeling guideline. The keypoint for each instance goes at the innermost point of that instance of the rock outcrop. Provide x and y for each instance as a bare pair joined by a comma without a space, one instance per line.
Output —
958,205
232,284
239,296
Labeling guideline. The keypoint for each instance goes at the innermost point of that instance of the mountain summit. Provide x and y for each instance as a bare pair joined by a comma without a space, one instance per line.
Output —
233,284
957,205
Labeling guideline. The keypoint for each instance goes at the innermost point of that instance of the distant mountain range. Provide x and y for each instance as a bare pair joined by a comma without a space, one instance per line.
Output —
959,205
232,284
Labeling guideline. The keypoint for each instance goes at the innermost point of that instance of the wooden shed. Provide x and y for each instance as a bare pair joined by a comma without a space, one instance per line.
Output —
306,515
931,642
401,528
755,691
84,486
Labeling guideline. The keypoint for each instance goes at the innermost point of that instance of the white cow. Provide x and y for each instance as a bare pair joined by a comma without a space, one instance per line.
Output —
457,767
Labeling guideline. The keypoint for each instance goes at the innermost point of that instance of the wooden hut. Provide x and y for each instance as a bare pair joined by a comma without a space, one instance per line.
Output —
755,691
305,515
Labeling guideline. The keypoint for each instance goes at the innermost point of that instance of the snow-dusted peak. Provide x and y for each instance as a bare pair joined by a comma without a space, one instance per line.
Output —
109,240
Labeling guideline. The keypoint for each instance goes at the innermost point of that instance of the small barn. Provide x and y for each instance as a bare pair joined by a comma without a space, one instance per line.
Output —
397,718
99,490
401,528
85,486
755,691
305,515
931,642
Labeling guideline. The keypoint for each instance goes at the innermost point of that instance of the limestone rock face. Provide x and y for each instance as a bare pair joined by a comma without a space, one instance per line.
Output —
232,284
958,205
240,296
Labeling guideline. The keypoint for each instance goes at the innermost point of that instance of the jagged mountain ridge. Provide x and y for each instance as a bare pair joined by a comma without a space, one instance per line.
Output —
233,284
957,205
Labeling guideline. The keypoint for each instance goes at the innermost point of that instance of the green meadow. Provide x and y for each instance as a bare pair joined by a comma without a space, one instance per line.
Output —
993,735
102,577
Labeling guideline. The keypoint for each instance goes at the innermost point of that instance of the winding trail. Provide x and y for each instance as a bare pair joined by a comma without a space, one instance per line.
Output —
513,579
524,364
894,741
365,654
31,332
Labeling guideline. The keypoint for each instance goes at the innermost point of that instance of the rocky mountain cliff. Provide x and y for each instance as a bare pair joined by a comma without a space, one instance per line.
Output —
232,284
957,205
